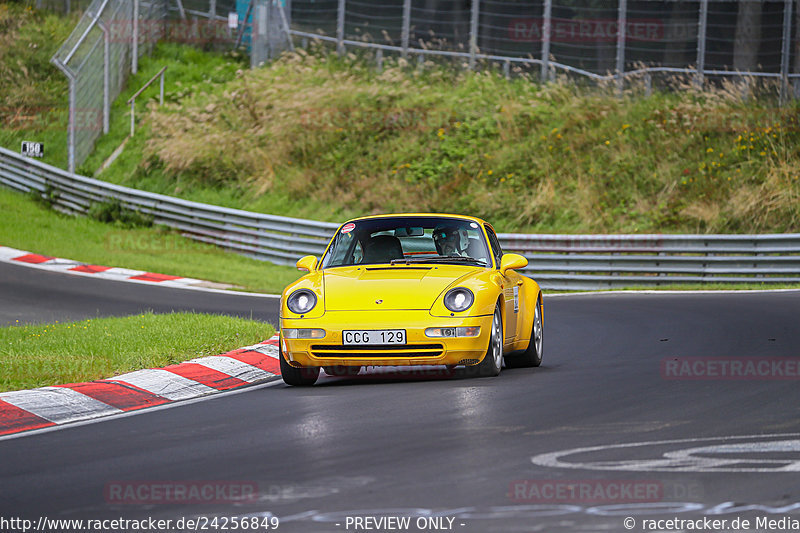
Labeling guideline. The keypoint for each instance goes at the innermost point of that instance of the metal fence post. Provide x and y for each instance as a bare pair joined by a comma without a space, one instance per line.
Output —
786,49
622,22
106,69
133,117
702,23
71,121
340,28
212,9
161,88
473,32
404,33
135,38
547,24
71,128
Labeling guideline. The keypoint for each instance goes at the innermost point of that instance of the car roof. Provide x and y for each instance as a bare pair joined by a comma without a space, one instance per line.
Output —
400,215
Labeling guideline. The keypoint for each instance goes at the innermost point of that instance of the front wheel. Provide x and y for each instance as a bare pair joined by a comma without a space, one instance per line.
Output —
493,360
299,377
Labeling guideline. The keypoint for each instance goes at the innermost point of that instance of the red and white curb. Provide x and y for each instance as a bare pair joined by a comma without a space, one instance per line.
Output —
69,266
45,407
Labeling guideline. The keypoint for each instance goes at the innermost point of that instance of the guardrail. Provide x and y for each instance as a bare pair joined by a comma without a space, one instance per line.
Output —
591,262
573,262
281,240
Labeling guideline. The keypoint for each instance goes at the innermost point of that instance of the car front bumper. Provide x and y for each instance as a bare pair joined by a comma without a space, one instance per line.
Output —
418,350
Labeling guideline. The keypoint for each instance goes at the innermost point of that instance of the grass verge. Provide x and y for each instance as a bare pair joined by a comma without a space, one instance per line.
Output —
36,356
29,226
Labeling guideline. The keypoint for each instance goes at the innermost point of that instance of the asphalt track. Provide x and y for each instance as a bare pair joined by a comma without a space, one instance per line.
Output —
447,447
37,296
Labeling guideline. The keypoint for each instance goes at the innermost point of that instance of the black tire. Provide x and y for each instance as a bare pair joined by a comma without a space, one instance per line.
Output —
298,377
342,371
493,360
532,356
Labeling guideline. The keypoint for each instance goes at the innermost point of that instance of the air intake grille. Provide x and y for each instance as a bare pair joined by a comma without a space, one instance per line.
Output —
377,351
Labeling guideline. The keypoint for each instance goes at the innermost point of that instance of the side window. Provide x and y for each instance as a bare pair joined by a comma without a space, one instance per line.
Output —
496,250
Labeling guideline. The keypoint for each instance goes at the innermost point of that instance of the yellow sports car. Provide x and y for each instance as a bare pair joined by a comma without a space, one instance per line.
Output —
407,290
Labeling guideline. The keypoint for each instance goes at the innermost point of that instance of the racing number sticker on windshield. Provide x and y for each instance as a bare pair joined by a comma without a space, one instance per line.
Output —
347,228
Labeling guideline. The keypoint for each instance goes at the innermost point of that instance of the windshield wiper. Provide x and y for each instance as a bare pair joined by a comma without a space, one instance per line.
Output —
439,259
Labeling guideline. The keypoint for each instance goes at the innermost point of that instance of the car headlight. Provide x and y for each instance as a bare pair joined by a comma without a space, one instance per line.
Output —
458,299
301,302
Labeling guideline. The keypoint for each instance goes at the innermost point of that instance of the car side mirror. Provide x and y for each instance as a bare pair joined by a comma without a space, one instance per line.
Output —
308,262
512,262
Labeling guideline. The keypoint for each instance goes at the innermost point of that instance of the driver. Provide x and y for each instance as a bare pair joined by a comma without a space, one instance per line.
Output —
451,240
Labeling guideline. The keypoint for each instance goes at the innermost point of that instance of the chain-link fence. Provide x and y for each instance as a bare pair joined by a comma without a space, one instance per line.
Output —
603,40
96,59
111,36
63,6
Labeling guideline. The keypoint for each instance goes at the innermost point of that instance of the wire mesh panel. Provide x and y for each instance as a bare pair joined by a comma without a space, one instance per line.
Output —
89,107
512,29
661,33
96,59
584,34
440,25
745,36
63,6
374,22
315,16
152,27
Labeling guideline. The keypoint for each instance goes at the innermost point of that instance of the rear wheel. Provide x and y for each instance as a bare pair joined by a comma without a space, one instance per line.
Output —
299,377
493,360
533,355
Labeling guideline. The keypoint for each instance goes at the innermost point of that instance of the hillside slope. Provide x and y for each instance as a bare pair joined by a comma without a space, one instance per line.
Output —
317,137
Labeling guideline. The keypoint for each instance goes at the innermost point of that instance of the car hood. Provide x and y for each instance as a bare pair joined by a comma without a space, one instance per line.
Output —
389,287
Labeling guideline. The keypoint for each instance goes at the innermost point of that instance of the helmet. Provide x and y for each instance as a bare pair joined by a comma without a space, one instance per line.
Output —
450,240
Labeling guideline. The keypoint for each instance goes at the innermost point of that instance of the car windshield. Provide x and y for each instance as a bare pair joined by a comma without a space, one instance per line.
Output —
408,240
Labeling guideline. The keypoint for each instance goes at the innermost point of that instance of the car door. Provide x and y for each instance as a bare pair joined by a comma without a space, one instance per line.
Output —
512,283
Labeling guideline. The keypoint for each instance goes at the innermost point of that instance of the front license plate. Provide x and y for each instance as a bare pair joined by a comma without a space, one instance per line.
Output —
374,336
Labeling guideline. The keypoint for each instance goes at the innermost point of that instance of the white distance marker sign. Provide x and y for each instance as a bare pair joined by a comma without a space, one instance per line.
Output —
32,149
